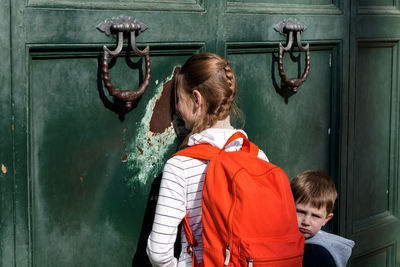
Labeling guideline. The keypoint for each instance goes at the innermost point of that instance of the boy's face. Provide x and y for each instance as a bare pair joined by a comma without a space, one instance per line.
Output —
311,219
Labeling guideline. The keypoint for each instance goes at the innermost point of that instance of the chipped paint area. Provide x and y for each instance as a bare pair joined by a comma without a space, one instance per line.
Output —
149,151
3,169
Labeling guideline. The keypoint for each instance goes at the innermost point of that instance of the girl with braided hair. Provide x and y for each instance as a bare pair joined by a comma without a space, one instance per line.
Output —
205,92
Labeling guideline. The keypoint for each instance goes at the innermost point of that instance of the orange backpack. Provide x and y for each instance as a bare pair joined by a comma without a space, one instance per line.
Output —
248,212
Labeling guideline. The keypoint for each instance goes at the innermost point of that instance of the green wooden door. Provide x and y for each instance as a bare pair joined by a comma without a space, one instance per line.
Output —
374,133
78,180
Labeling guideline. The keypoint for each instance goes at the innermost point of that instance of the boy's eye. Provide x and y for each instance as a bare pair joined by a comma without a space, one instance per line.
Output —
300,211
316,216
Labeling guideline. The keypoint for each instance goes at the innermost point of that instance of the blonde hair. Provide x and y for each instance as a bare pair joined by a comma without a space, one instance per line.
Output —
314,187
213,77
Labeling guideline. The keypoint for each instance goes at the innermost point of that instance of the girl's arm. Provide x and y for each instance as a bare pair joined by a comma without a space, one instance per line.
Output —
170,210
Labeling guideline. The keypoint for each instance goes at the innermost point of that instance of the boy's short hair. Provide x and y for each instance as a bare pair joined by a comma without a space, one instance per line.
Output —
314,187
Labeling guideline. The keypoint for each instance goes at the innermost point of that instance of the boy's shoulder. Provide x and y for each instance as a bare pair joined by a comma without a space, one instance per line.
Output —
340,248
323,237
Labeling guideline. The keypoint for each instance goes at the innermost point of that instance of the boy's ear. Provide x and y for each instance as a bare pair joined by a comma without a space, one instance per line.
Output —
328,217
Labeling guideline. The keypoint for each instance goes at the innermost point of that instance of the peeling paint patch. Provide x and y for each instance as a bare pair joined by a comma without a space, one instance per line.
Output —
124,158
148,152
3,168
162,111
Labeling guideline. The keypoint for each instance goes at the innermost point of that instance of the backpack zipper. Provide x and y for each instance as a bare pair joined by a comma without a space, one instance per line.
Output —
230,217
250,260
227,255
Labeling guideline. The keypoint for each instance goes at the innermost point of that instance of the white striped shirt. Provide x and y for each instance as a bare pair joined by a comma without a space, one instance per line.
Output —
180,194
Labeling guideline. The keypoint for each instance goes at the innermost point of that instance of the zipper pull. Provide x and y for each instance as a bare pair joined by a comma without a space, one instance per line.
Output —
227,255
249,262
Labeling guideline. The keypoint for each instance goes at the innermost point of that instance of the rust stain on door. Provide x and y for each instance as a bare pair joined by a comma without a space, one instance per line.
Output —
155,136
162,112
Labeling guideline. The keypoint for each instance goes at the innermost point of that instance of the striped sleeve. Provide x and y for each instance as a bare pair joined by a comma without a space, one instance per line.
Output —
170,210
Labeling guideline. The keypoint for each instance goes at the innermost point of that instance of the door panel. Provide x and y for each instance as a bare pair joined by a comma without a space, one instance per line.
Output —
281,118
90,171
383,257
76,165
285,7
376,151
374,134
374,3
377,141
172,5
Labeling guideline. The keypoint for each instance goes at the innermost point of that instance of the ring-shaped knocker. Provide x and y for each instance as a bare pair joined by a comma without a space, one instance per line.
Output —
132,27
288,27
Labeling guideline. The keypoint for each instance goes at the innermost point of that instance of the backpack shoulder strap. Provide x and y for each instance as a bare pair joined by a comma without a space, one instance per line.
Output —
208,152
192,242
247,145
200,151
253,149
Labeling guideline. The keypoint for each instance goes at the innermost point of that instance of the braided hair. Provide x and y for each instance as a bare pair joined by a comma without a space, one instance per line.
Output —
214,78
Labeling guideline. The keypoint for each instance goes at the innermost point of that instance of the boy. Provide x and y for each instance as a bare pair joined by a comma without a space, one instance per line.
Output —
314,194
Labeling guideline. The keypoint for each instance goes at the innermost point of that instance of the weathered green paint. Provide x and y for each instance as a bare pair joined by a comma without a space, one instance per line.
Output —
75,177
149,151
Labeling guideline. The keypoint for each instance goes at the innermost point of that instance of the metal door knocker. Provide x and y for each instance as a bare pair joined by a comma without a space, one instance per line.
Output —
124,26
288,27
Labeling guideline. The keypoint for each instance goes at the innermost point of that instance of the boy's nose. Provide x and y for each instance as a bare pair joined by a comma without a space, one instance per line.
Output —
305,221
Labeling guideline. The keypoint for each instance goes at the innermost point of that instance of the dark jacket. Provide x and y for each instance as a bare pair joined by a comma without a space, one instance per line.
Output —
317,256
